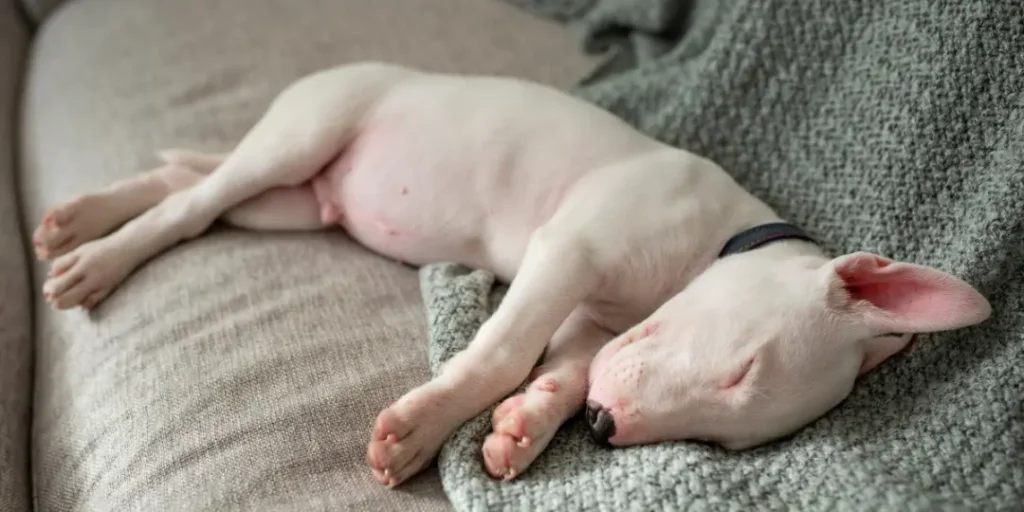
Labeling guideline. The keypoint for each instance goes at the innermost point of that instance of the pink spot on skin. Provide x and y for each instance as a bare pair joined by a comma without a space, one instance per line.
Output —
513,426
387,228
515,401
548,385
405,191
506,407
650,329
641,333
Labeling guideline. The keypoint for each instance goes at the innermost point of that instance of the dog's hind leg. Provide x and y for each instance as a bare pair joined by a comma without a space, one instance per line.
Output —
306,127
293,208
95,214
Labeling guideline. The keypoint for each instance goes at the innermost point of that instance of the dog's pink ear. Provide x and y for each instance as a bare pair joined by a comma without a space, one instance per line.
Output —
892,297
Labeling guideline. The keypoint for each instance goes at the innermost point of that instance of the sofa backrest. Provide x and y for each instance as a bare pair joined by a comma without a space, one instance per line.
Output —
38,10
15,302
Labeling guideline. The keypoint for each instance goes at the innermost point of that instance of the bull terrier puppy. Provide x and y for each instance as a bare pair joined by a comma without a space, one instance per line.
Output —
664,298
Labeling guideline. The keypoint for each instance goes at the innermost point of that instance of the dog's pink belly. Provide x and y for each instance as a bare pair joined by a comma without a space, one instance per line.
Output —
424,199
394,214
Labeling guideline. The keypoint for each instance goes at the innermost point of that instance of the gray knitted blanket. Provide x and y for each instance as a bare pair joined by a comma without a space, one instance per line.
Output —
895,127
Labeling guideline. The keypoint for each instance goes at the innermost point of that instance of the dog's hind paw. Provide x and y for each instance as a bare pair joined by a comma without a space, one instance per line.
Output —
65,227
84,277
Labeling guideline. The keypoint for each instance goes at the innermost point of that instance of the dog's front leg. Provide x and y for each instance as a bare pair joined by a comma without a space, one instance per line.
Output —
524,424
555,276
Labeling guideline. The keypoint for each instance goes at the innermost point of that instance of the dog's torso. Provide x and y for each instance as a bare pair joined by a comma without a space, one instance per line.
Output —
465,169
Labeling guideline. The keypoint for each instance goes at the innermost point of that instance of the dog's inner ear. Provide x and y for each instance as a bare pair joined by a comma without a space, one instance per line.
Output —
889,296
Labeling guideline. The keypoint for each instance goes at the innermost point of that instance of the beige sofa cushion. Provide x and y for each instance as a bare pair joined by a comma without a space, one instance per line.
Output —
15,319
241,371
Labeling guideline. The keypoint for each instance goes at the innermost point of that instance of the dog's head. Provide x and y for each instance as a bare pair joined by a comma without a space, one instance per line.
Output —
752,351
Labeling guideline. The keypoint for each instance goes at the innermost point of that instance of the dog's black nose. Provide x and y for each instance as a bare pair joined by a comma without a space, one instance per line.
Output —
602,426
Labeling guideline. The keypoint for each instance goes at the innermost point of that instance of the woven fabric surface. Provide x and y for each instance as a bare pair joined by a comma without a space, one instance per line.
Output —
890,127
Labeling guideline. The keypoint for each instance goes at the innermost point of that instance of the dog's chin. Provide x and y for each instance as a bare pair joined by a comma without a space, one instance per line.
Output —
735,445
624,442
739,444
633,436
636,435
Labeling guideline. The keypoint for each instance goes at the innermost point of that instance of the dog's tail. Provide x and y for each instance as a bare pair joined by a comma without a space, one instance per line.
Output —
204,163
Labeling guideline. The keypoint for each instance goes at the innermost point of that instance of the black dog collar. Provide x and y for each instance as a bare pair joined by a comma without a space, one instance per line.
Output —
764,234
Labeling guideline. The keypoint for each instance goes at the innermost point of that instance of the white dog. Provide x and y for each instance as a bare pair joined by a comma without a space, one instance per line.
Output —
671,303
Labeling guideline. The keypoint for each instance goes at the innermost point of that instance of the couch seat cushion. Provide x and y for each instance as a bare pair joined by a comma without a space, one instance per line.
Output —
239,371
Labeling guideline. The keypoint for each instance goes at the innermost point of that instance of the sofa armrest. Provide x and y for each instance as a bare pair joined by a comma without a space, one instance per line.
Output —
16,344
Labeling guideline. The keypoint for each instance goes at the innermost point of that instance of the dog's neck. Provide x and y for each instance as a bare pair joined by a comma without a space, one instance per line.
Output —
761,246
761,235
765,245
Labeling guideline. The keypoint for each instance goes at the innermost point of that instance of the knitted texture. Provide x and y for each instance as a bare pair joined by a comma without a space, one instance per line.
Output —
890,127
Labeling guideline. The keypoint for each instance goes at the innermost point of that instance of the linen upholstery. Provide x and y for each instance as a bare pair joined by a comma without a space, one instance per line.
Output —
239,371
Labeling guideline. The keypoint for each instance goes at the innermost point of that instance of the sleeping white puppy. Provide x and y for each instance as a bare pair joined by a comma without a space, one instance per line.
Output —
671,303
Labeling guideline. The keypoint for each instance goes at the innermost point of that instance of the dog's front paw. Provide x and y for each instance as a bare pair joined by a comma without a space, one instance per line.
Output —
407,435
523,426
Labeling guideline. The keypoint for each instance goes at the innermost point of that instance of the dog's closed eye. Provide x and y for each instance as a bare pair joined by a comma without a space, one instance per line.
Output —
737,376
